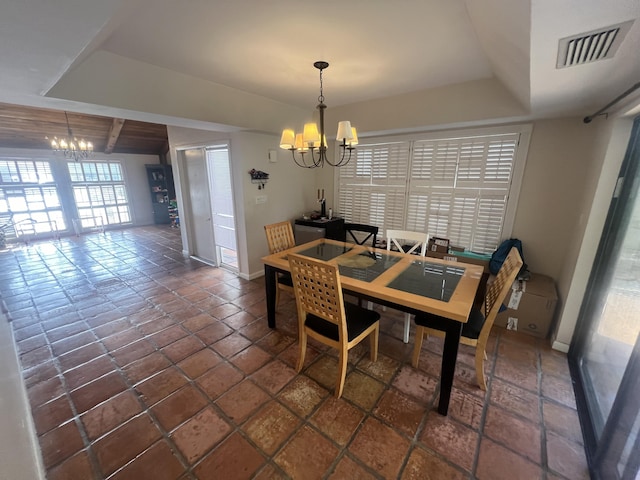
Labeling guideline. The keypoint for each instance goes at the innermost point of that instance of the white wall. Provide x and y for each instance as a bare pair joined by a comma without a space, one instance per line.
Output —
290,190
138,186
20,457
112,81
552,192
610,145
555,199
465,103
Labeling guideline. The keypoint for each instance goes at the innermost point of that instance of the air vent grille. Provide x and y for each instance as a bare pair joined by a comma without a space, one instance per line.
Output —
591,46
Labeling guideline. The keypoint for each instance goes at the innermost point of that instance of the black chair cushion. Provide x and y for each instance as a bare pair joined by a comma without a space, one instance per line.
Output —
358,320
471,329
285,279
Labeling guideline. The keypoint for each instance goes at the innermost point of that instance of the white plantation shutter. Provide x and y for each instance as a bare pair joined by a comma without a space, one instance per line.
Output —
372,187
463,216
439,213
417,212
471,162
488,224
457,188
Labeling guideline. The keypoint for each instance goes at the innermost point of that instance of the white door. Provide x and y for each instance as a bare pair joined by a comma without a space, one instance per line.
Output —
220,186
200,205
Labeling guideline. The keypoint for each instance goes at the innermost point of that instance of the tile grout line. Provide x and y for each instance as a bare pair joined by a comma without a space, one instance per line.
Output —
487,402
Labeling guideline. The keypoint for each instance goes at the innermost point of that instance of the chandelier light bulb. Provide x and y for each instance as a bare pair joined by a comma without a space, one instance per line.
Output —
71,147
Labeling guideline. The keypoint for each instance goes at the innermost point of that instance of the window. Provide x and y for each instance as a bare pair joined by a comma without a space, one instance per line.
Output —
372,189
28,191
459,186
99,193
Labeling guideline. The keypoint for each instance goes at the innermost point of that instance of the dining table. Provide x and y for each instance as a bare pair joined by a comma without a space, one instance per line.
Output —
406,282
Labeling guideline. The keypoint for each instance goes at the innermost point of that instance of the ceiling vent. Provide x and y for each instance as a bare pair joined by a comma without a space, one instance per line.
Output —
591,46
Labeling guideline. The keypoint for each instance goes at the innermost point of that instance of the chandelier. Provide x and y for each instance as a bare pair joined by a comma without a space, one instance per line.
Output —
70,146
309,148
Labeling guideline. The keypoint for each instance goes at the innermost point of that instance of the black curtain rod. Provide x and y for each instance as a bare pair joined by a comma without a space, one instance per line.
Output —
617,99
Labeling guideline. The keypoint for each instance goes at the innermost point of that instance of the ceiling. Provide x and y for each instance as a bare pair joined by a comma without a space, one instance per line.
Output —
375,49
28,127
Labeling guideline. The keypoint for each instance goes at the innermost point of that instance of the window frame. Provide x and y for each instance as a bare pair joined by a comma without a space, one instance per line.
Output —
34,222
519,161
97,184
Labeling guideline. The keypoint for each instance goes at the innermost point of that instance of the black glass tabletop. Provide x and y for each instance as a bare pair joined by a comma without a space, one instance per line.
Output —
366,266
428,279
325,251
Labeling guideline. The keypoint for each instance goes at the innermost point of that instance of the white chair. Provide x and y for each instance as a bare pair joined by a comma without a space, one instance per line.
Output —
416,240
408,242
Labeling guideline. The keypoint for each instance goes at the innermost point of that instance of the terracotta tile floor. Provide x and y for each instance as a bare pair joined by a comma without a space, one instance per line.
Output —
141,364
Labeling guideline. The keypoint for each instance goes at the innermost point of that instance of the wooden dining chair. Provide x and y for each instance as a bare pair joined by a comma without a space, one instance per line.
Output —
353,229
475,332
324,316
280,237
408,242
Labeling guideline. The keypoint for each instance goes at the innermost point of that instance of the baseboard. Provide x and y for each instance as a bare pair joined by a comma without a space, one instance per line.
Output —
254,275
561,347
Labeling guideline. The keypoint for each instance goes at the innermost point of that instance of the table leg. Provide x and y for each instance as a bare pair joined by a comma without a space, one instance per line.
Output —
270,281
449,357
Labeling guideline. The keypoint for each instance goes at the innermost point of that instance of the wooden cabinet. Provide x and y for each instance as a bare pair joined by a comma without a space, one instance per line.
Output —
162,190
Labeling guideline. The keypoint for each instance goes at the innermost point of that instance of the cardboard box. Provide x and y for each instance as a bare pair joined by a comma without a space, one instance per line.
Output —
530,306
438,244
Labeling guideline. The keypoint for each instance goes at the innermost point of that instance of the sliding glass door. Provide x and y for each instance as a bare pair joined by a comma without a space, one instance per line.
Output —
605,354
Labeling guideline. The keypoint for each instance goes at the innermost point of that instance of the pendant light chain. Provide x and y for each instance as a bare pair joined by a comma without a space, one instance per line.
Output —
321,97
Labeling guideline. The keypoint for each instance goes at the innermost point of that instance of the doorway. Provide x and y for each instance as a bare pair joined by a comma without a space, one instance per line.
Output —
222,211
211,213
605,353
